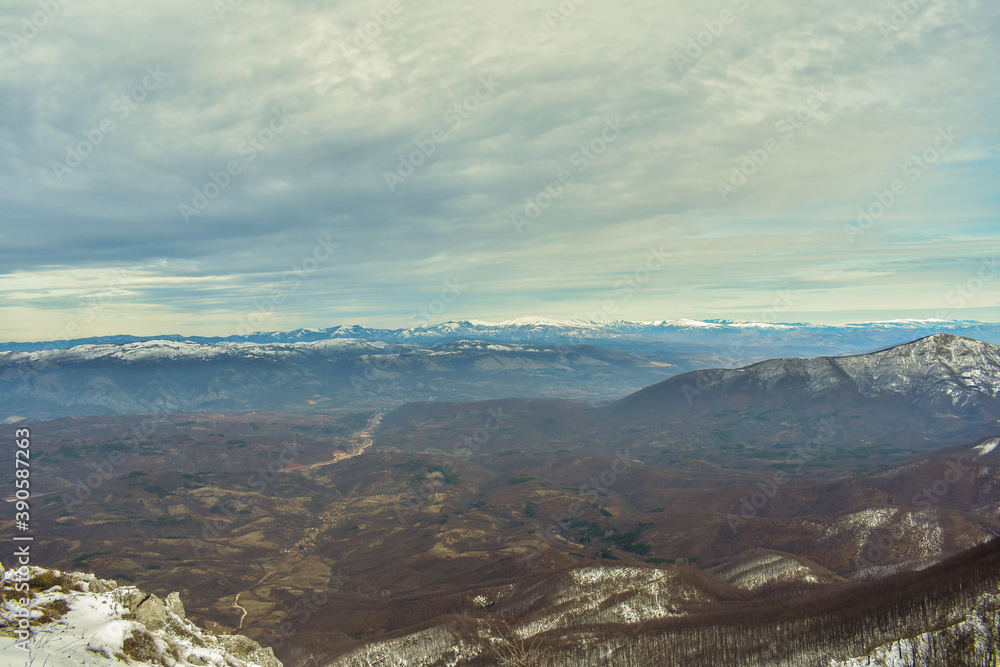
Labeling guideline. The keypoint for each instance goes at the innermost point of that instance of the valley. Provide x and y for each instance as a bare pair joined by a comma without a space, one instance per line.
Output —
523,521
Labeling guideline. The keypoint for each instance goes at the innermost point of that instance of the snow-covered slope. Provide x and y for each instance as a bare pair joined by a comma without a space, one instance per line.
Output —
77,620
757,570
941,365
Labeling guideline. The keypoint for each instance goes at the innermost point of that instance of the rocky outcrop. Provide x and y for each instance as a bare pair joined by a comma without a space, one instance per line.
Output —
76,619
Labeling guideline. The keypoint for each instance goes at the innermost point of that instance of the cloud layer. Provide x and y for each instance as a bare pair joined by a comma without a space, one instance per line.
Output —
183,164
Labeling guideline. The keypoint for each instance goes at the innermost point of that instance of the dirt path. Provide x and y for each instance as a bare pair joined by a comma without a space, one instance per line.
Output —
237,605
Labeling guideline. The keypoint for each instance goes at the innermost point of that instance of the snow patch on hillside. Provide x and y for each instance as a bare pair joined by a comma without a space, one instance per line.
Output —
759,571
926,526
861,524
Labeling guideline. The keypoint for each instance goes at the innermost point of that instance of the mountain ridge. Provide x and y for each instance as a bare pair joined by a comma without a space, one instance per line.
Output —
961,367
542,330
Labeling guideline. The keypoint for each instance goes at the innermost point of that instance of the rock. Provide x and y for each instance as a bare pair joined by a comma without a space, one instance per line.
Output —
174,604
265,658
238,644
151,612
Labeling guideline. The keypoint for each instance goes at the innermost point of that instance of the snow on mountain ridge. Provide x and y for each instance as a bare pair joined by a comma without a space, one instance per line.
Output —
537,329
938,365
942,363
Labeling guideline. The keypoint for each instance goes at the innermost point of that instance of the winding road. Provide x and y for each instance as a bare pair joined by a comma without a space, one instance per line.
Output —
360,441
237,605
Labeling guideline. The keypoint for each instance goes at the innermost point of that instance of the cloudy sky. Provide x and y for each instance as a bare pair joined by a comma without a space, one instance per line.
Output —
198,167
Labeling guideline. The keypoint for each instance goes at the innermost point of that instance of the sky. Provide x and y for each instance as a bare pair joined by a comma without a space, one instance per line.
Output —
220,166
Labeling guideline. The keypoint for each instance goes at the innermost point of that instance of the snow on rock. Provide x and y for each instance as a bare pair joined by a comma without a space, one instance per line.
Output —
77,620
985,448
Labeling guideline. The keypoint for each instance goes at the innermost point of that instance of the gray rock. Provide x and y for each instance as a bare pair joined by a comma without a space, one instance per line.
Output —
151,612
96,585
174,604
265,658
238,645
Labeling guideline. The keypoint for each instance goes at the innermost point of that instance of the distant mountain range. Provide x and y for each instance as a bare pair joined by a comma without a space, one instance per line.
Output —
355,367
858,337
358,367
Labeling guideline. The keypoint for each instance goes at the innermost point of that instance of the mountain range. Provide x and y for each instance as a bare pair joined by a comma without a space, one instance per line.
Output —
308,370
834,509
857,337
